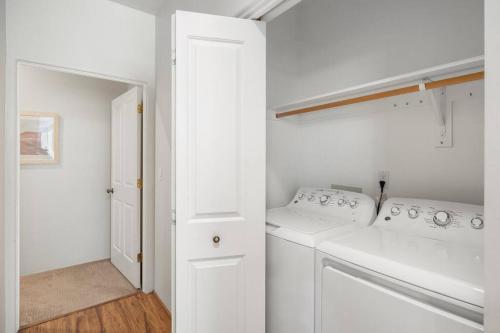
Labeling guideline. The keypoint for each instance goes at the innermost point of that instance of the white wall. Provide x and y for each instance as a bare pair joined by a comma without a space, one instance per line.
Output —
96,36
163,207
64,208
321,46
2,188
492,161
350,146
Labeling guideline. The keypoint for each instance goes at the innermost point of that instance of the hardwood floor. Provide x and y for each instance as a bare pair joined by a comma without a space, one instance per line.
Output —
137,313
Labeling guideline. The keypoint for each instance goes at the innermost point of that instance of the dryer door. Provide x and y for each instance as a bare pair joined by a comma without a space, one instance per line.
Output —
354,305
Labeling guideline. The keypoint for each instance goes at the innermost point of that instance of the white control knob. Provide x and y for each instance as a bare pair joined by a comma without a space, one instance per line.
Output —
477,223
301,196
395,210
442,218
353,204
324,199
341,202
412,213
310,197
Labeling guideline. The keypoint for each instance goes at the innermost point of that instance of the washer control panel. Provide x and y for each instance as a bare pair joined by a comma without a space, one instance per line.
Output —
338,203
437,219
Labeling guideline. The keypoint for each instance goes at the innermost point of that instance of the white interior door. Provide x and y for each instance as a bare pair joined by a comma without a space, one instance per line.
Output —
126,183
220,140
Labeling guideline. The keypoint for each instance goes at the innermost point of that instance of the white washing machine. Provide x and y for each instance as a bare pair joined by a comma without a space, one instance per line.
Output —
292,233
418,268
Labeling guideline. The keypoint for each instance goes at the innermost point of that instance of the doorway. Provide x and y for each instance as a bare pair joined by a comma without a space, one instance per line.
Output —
80,191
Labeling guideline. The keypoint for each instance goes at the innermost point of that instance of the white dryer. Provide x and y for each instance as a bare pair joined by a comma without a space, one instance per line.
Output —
293,232
418,268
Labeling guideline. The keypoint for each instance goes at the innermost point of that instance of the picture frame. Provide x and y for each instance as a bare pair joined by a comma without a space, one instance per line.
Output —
39,138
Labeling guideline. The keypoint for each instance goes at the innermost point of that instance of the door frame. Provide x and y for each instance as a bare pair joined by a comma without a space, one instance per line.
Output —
147,196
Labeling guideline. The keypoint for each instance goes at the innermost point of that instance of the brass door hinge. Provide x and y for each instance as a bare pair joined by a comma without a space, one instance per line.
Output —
139,108
139,183
139,257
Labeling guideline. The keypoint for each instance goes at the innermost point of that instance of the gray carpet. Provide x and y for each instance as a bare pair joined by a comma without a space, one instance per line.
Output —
52,294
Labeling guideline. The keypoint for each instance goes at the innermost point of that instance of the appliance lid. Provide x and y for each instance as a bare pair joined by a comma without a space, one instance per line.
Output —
451,269
303,221
316,214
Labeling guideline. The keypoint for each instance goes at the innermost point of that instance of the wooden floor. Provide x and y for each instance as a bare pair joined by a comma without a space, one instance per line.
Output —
137,313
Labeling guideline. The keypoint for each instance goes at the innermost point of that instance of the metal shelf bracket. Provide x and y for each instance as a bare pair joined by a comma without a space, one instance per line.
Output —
443,112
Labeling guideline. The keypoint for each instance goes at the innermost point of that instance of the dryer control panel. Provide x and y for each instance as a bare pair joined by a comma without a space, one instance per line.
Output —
441,220
353,206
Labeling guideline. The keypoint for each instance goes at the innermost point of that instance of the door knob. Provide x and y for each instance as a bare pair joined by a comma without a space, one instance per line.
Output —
110,190
216,239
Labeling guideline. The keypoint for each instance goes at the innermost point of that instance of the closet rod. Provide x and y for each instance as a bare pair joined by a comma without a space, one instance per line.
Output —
389,93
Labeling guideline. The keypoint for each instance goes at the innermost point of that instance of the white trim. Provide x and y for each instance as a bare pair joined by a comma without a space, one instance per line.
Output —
81,73
267,10
279,9
492,166
147,195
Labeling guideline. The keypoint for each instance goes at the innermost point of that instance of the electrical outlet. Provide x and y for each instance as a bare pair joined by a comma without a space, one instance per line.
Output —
383,175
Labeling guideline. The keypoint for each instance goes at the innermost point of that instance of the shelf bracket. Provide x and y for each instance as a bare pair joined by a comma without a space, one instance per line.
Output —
443,112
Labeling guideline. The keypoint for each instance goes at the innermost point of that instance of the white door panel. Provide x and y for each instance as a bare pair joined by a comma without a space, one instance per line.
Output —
216,171
220,174
125,172
207,279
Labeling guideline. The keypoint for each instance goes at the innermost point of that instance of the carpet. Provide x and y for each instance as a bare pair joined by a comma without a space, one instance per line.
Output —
52,294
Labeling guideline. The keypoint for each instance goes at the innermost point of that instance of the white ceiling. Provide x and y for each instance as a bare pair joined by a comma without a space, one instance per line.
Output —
219,7
148,6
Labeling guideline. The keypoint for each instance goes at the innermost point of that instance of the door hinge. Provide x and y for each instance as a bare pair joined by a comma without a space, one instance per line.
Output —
139,108
139,183
139,257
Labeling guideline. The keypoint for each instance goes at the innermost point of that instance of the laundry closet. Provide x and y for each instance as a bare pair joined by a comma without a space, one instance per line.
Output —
321,48
375,167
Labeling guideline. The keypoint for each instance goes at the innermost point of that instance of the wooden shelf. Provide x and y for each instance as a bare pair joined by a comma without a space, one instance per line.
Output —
330,100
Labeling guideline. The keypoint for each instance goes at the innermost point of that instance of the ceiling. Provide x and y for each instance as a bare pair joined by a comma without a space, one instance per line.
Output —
239,8
148,6
218,7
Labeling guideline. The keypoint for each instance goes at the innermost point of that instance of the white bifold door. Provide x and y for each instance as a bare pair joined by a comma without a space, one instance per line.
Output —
219,125
126,185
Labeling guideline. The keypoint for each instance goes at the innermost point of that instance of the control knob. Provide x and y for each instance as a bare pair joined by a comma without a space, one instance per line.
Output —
341,202
324,199
310,197
353,204
395,210
412,213
301,196
442,218
477,223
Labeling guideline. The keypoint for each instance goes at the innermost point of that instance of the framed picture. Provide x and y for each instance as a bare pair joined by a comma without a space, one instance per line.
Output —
39,141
